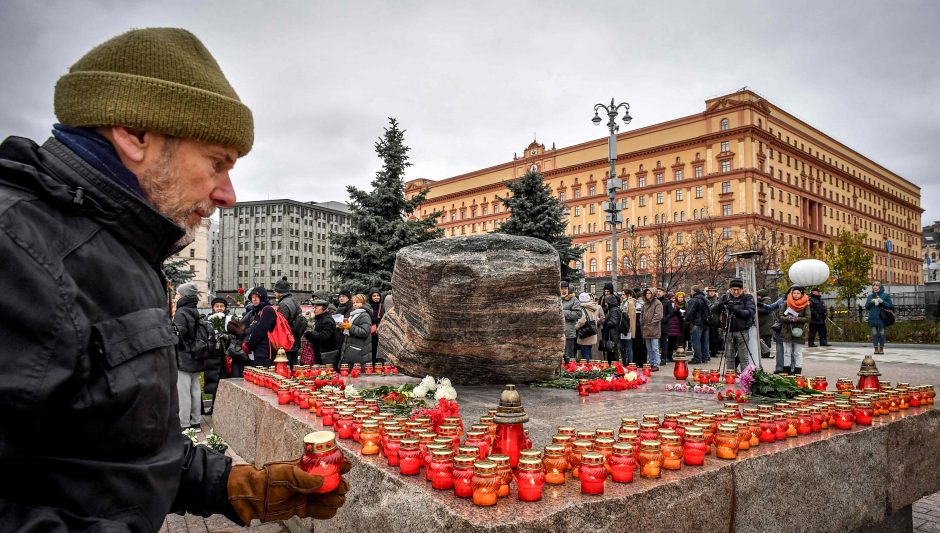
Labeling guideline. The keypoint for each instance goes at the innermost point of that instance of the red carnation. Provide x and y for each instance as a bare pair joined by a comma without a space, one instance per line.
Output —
241,290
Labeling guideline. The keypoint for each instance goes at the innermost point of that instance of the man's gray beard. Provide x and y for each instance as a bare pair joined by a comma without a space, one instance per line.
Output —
160,184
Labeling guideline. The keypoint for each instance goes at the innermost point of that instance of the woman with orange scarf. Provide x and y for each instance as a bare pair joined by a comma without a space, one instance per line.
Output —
794,321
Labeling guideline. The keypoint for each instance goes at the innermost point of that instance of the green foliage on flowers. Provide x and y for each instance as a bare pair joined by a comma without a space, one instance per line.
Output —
569,380
774,387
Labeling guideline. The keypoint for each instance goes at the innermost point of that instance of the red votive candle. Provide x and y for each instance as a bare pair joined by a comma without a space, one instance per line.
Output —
504,471
392,446
486,483
530,478
622,463
442,469
863,412
463,475
322,458
409,458
344,423
327,411
592,473
843,416
694,448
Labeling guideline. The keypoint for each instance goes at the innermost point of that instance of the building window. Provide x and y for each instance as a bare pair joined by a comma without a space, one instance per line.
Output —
679,238
678,175
192,252
593,265
591,190
725,146
679,195
659,177
726,165
725,187
726,210
609,264
577,211
659,198
643,262
561,197
641,181
607,248
698,171
725,233
642,201
682,216
698,192
723,125
642,242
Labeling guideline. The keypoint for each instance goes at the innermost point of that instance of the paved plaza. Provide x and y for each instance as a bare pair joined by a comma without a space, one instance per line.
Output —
904,363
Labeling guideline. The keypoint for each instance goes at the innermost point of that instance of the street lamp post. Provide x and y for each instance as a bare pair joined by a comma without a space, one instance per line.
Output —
613,182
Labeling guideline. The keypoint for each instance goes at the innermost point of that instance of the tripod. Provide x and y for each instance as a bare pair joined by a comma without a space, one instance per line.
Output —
728,341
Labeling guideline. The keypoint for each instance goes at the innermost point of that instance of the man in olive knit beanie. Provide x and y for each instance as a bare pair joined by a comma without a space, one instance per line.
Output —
149,129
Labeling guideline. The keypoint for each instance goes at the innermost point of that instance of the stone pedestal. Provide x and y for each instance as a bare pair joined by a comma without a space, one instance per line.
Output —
834,481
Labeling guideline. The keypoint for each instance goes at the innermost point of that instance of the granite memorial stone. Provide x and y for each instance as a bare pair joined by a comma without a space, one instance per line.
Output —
481,309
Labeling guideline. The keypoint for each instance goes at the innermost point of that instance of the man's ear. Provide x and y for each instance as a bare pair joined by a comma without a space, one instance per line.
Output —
131,144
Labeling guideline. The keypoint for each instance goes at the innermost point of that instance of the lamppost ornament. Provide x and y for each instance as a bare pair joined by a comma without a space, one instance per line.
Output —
613,182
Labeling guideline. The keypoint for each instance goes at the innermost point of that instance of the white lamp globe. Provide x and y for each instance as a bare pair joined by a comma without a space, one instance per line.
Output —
809,272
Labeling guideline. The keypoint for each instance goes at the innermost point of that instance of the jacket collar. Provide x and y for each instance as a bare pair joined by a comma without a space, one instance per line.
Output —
59,176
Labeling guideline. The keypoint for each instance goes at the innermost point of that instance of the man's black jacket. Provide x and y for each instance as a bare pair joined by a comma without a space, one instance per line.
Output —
90,436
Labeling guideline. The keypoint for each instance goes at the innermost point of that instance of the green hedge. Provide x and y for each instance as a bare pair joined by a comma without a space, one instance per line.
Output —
906,332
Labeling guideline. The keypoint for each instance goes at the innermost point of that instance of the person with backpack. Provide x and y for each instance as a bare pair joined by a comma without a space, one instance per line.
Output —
261,321
880,315
290,309
358,334
588,326
190,358
818,323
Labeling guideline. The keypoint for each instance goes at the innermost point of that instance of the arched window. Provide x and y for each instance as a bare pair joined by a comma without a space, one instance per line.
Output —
609,264
724,124
682,216
643,261
695,214
675,216
680,259
593,265
626,262
656,219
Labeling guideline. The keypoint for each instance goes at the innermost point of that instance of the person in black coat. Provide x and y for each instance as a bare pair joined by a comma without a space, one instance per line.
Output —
610,330
817,321
377,311
323,334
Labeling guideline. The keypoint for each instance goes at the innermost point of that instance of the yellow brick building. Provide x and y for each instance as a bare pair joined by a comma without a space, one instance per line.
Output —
741,163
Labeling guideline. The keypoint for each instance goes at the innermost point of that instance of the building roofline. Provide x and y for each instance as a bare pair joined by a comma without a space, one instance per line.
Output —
318,205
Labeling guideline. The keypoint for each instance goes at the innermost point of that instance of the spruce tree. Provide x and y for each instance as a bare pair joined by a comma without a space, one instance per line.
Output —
534,212
380,220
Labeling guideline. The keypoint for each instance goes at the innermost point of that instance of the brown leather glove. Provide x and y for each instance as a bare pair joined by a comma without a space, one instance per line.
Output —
281,490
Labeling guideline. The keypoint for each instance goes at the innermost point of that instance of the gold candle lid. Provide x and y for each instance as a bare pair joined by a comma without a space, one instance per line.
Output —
694,435
448,430
486,419
592,458
583,445
464,461
484,468
671,439
468,450
566,430
319,442
395,435
561,439
554,450
441,454
531,454
510,409
727,429
603,442
530,464
446,441
427,436
629,422
476,434
368,425
586,435
479,427
623,448
604,432
409,444
436,446
499,459
649,446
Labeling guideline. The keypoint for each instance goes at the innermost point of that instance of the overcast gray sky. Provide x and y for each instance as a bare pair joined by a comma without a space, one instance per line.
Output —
471,82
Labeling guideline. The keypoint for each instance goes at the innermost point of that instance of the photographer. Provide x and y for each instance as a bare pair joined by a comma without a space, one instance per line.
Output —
738,311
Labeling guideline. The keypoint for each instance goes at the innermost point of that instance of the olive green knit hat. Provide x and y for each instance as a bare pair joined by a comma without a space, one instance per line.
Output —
156,79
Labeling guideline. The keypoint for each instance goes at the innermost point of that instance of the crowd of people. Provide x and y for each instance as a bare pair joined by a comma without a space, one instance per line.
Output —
648,325
334,331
